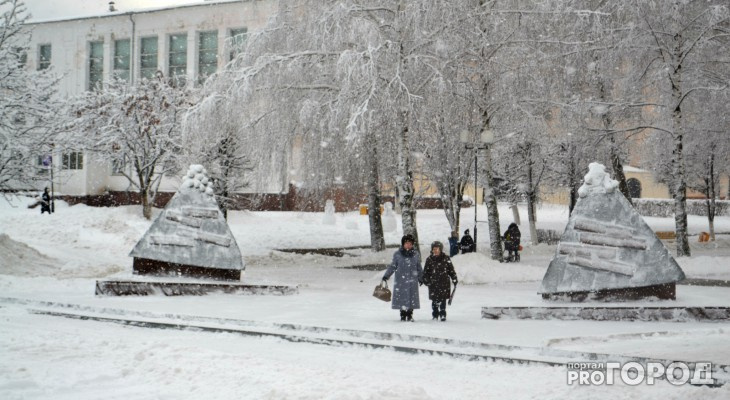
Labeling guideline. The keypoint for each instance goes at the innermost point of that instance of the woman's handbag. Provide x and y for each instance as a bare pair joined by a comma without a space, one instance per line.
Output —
382,292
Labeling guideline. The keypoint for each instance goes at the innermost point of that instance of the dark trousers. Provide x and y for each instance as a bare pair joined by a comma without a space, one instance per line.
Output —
438,308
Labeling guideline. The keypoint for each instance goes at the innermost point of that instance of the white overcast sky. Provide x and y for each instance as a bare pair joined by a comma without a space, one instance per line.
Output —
57,9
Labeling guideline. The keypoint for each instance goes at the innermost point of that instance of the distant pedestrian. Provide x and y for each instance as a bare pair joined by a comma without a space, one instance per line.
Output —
454,244
512,242
406,266
437,275
467,243
45,201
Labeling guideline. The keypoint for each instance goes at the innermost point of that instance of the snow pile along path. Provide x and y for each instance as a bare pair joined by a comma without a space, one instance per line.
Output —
17,258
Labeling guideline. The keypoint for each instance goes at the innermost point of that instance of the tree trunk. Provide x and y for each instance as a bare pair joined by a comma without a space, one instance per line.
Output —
618,171
448,202
531,218
680,185
614,154
377,239
223,203
457,224
144,178
711,206
451,191
146,203
405,184
495,237
224,153
573,180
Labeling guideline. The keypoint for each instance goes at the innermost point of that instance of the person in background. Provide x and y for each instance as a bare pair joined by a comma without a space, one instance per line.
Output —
406,266
454,244
45,201
467,243
512,242
437,275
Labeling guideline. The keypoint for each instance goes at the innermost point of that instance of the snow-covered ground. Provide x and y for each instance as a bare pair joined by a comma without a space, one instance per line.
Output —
52,262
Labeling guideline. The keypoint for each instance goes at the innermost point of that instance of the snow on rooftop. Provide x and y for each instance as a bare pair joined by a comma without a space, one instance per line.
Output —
100,9
628,168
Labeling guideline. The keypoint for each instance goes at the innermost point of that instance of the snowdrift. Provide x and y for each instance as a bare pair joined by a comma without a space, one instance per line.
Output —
17,258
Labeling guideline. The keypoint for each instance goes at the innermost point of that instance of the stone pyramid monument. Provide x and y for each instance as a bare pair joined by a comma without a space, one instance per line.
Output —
190,237
607,251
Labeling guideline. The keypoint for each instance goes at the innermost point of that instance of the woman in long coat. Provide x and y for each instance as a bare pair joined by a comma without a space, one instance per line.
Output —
406,267
438,275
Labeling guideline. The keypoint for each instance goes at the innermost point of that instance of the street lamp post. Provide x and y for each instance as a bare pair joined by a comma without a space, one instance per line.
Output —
485,139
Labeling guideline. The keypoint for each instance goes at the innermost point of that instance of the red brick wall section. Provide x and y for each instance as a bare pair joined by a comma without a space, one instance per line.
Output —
294,200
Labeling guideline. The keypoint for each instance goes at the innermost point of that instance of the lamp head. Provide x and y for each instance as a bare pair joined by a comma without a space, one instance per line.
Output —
464,137
487,137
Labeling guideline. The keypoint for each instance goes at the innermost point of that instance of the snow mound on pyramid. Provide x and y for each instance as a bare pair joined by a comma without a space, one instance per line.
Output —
607,244
17,258
197,179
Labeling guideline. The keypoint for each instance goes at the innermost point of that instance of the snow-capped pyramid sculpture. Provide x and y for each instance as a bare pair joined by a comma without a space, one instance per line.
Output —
607,250
190,237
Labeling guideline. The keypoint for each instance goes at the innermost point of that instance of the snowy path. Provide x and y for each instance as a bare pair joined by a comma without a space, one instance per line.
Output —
553,354
89,360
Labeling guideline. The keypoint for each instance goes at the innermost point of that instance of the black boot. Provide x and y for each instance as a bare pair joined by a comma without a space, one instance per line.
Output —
409,315
403,315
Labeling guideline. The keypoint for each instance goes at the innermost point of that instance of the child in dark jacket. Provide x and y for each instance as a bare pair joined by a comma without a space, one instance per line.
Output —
437,275
454,244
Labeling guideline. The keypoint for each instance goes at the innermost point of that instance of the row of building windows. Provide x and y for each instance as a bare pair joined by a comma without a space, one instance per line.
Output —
177,57
70,160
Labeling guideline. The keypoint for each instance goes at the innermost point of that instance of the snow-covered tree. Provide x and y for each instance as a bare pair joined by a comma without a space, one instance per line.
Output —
445,161
136,127
28,109
679,43
361,68
216,134
708,149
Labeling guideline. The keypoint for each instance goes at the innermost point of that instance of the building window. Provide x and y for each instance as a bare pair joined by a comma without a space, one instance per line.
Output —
207,55
21,55
178,58
238,41
44,58
96,64
43,165
119,166
121,59
73,160
148,57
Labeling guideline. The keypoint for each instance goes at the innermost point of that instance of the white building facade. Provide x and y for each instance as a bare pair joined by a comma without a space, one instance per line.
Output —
190,42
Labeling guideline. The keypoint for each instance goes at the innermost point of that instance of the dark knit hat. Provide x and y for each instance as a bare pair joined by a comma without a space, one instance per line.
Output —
407,238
